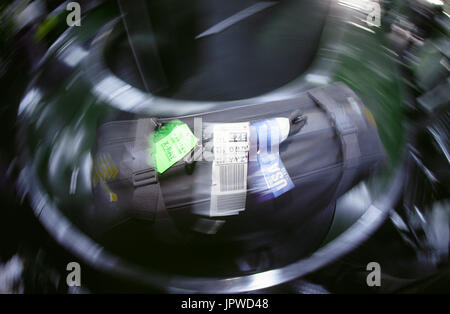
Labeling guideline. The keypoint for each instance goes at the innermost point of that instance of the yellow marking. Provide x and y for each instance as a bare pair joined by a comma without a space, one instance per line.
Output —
99,173
106,166
104,169
114,169
112,196
370,117
99,169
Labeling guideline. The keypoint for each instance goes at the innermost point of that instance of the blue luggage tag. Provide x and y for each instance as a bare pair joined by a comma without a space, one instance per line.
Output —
276,178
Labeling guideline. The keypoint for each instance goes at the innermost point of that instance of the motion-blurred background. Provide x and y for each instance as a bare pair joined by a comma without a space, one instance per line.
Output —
400,69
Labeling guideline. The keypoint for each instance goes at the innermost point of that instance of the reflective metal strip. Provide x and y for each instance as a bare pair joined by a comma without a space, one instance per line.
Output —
257,7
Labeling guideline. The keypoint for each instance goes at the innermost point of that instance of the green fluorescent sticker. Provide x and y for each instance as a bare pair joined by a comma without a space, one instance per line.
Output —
171,143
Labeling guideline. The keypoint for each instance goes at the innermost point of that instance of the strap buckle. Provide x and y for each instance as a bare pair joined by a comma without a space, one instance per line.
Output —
144,177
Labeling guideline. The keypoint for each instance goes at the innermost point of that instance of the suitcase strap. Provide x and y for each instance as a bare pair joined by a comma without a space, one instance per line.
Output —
346,131
147,202
146,192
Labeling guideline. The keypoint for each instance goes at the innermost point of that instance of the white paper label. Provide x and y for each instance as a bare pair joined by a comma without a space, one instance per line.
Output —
229,169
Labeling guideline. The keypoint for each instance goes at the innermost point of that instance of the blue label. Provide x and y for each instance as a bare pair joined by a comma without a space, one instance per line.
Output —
277,180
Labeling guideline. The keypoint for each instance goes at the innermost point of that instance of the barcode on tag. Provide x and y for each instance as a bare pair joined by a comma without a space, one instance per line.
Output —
232,177
229,189
229,169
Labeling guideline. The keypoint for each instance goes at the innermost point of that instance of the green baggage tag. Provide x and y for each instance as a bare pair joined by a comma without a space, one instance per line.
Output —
171,143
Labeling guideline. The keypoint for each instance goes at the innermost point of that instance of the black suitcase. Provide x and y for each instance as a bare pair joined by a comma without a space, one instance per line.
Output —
332,144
